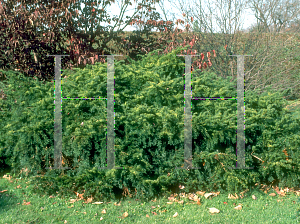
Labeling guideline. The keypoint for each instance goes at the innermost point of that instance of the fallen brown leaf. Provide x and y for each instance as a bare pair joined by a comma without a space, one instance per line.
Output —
182,195
26,203
97,203
239,207
207,195
230,196
72,200
200,193
195,198
89,200
214,210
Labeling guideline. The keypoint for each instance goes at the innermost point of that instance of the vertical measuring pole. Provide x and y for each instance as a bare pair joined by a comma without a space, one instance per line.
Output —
187,116
110,138
240,142
58,116
110,113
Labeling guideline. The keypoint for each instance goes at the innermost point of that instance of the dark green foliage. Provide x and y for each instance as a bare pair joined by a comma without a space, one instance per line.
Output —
149,131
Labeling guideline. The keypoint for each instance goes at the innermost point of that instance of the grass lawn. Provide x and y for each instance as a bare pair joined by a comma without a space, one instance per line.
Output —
18,205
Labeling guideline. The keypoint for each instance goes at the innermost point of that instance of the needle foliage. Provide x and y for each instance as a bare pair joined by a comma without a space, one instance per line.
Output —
149,131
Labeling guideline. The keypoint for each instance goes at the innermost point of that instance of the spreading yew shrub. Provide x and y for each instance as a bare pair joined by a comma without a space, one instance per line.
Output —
149,131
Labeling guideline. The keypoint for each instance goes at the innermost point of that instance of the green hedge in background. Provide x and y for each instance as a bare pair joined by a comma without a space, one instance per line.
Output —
149,131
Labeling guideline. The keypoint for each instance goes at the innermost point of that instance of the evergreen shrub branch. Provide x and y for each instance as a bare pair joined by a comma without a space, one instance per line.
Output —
149,131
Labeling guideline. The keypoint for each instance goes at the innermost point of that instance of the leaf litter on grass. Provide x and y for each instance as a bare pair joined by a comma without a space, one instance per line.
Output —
181,198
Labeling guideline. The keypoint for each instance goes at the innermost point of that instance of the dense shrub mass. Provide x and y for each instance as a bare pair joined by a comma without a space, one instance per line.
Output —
149,131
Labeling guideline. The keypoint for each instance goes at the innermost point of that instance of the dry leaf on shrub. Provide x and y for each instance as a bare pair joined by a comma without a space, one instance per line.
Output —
103,211
272,194
79,195
171,198
7,177
125,214
175,215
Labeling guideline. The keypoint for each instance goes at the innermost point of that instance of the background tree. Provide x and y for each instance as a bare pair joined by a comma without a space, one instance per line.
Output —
202,26
275,61
54,30
275,15
44,24
22,32
278,65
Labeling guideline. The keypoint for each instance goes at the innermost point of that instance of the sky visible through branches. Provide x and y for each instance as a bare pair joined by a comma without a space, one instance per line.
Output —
248,17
